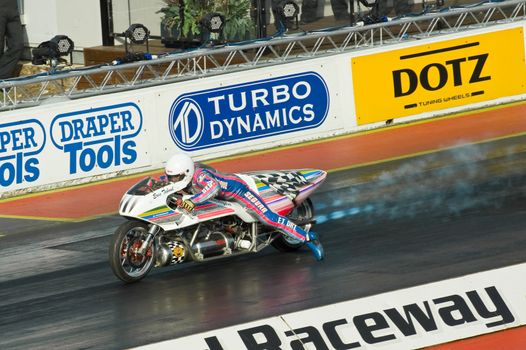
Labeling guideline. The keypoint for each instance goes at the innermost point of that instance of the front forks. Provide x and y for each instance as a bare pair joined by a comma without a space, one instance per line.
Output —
152,232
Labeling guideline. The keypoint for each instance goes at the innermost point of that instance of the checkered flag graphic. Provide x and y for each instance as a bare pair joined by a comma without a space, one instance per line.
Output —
286,183
178,252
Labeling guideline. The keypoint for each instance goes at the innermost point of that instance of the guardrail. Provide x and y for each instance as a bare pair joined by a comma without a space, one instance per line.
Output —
173,67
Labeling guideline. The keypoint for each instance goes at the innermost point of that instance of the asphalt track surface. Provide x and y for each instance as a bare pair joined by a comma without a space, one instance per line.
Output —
384,227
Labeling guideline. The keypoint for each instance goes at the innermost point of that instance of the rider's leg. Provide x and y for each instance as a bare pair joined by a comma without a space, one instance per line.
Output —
311,238
267,217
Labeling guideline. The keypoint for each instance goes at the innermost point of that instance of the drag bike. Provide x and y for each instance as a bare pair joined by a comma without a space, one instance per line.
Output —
158,233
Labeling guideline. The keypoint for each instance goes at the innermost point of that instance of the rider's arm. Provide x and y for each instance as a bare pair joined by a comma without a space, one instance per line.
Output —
210,187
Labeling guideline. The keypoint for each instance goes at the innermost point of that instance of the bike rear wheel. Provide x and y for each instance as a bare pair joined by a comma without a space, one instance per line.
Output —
302,213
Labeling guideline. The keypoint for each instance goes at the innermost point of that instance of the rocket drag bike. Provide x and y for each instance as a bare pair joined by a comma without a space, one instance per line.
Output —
158,233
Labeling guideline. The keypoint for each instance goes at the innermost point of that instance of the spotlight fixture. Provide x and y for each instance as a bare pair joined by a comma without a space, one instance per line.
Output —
53,50
214,22
62,44
287,13
290,9
136,34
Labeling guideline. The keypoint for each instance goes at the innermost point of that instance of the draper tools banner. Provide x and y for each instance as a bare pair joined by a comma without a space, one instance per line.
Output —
439,75
69,142
97,137
20,144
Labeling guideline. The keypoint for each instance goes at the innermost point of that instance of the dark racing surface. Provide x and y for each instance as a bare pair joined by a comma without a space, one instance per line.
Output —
384,227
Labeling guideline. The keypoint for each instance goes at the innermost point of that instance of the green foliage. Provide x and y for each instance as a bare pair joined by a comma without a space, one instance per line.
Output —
193,10
171,13
238,22
186,14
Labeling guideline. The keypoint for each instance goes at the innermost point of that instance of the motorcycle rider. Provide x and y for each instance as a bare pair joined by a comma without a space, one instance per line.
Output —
206,184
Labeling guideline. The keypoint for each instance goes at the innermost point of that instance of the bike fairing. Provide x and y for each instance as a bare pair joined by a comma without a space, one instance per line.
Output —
278,202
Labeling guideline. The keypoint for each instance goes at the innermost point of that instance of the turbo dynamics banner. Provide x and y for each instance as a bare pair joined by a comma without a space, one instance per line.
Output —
439,75
248,111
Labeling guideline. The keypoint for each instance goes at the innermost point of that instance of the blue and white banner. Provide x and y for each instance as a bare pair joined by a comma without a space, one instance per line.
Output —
20,144
248,111
101,137
71,141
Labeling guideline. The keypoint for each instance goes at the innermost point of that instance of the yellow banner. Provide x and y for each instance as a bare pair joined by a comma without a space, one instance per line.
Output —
439,75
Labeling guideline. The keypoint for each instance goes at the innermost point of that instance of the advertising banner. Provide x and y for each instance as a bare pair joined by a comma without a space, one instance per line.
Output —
136,130
100,137
439,75
411,318
21,143
76,141
71,141
248,111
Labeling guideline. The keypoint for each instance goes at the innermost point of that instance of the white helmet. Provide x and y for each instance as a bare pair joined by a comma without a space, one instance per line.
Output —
179,170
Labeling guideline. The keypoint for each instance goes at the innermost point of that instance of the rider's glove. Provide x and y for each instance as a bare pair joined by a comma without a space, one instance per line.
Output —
186,204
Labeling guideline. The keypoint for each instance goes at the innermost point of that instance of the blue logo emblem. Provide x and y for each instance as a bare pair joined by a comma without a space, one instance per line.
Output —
100,137
20,143
248,111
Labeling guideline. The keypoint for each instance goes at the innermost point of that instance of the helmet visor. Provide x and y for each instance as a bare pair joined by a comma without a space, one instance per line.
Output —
175,178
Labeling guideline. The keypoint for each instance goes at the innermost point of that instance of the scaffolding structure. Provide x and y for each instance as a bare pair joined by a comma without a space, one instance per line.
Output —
202,62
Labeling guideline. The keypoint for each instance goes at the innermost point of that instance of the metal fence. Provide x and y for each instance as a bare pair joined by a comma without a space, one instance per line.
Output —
197,63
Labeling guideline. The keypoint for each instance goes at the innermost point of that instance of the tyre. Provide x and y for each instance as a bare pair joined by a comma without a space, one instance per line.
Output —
125,260
302,213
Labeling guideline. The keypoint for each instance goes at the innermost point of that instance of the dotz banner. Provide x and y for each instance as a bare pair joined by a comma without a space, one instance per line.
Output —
439,75
248,111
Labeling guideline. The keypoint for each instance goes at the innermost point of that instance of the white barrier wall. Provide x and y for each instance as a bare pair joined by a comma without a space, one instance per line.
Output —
412,318
57,144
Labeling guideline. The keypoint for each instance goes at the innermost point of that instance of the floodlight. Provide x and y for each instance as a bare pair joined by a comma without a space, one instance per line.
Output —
53,50
62,44
287,13
137,33
290,9
214,22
